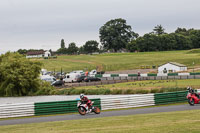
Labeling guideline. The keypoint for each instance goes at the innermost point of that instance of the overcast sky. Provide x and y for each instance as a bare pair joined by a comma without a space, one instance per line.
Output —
41,24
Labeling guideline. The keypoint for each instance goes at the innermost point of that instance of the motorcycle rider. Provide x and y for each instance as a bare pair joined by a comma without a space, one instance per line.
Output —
192,91
85,100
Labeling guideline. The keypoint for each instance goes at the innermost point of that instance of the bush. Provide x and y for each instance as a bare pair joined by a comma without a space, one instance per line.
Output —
171,89
116,91
45,89
155,91
128,91
142,91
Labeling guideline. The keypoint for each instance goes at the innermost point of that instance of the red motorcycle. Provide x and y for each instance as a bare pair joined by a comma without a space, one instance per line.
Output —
193,97
83,108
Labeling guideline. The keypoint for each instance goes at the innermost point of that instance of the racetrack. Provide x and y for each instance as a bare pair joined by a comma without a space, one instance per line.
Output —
103,114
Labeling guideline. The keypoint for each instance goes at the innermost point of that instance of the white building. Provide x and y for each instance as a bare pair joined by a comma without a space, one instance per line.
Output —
38,54
35,54
47,54
171,67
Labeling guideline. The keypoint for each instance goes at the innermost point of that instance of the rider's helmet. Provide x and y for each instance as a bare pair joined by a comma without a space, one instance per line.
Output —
81,96
188,88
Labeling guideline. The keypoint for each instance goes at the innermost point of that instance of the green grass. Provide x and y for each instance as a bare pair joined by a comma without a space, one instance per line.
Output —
149,84
121,61
137,87
170,122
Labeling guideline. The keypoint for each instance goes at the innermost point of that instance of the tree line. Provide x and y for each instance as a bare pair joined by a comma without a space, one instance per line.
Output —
89,47
181,39
116,35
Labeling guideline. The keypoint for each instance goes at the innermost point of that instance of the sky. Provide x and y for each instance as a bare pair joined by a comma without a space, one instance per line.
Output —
41,24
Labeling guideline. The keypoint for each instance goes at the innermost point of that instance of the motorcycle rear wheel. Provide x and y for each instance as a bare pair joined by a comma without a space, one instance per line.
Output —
81,111
191,101
97,110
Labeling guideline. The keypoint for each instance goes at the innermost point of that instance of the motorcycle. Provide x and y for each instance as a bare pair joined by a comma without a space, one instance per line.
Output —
193,97
83,108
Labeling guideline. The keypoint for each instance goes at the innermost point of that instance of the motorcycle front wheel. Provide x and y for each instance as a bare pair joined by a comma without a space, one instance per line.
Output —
81,111
97,110
191,101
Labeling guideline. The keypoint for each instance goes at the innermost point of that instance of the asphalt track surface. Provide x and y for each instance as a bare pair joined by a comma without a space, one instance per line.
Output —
103,114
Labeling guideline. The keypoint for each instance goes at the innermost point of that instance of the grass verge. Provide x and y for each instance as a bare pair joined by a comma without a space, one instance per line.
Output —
137,87
170,122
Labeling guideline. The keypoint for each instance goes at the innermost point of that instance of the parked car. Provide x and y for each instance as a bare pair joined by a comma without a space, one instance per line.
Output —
78,71
58,75
92,73
58,83
81,78
89,79
48,78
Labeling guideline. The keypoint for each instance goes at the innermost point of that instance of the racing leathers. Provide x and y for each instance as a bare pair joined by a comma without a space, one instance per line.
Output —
85,100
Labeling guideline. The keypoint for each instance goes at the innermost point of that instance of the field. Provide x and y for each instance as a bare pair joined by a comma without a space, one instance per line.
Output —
170,122
121,61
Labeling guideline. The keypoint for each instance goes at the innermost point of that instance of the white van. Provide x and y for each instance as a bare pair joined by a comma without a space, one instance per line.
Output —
71,77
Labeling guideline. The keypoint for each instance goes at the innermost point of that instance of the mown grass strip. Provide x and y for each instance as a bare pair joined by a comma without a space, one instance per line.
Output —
170,122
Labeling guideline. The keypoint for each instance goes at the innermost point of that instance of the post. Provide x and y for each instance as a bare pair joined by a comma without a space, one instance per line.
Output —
193,66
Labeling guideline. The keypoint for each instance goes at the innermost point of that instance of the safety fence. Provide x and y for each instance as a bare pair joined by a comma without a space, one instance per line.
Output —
145,75
60,107
130,101
17,110
149,76
105,103
170,97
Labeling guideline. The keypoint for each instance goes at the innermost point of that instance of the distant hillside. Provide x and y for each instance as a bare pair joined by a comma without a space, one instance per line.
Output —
121,61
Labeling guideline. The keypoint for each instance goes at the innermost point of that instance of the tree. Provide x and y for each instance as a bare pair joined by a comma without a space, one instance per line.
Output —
132,46
149,42
81,50
72,48
62,51
18,75
22,51
62,43
167,42
180,30
195,38
182,42
159,30
116,34
91,46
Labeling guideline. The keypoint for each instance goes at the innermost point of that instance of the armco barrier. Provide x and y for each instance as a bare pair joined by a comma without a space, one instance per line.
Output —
16,110
111,102
127,101
60,107
170,97
145,75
